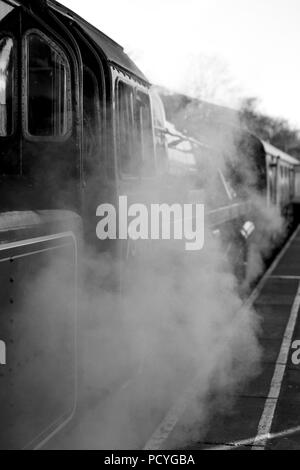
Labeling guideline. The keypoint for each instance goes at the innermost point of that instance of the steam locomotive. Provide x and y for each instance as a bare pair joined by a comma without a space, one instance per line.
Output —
79,125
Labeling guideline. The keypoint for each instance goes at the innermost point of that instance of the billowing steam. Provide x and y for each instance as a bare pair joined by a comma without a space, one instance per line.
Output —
271,229
179,315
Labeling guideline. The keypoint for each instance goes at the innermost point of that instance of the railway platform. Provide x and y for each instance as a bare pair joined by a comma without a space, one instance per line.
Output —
266,414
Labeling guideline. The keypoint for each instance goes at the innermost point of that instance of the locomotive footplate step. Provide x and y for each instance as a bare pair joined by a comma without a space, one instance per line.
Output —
264,414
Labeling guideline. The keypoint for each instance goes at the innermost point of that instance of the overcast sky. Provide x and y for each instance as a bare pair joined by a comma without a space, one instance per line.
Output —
251,47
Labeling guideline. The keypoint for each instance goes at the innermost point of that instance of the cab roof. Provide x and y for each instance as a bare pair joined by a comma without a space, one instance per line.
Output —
112,51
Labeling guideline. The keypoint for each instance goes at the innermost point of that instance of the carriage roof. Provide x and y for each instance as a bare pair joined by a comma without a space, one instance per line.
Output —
275,152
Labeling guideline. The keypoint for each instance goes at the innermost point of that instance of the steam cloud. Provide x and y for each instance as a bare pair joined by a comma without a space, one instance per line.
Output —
180,315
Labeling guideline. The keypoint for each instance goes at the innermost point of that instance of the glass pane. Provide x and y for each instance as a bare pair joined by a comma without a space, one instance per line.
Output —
145,132
91,120
6,86
48,89
127,153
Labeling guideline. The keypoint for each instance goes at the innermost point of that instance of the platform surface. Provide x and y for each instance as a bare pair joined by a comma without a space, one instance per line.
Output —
266,412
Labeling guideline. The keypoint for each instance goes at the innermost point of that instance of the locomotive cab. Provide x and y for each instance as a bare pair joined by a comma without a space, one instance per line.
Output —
40,158
76,131
76,119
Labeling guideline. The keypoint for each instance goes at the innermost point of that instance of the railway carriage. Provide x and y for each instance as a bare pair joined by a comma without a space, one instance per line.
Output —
281,181
252,171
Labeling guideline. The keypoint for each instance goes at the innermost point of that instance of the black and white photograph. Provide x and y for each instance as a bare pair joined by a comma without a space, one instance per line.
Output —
149,227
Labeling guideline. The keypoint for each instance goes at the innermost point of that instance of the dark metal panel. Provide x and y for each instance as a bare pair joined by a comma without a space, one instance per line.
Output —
37,385
38,298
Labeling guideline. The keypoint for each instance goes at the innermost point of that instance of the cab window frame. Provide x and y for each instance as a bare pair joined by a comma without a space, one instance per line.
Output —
123,174
93,77
15,98
143,102
138,95
99,118
60,50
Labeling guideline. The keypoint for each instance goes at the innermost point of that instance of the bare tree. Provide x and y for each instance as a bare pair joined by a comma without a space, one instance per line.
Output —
208,78
277,131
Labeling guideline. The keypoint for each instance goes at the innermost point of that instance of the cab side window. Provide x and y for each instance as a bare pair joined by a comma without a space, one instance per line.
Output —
128,156
135,132
48,88
91,121
7,79
145,133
